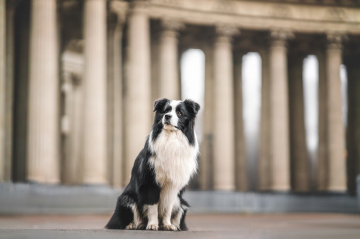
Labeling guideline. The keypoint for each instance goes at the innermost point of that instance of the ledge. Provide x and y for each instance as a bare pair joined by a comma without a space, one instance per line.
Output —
21,199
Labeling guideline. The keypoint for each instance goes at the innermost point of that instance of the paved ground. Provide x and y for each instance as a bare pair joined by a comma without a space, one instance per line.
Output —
250,226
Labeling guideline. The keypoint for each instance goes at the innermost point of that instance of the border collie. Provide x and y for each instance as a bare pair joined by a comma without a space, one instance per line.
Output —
153,198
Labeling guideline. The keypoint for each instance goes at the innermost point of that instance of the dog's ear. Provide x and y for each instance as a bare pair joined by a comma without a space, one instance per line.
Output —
192,106
160,103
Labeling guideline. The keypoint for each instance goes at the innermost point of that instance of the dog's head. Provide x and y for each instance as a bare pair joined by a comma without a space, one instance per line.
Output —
175,114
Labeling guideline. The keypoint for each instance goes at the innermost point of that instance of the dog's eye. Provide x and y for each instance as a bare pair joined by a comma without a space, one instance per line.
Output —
178,113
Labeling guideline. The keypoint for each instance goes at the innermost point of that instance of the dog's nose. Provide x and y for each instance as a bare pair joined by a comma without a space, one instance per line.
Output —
167,117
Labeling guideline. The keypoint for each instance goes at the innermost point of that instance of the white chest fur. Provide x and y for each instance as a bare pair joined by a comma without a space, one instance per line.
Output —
175,160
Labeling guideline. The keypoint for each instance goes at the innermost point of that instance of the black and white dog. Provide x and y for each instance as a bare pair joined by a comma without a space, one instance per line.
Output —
153,198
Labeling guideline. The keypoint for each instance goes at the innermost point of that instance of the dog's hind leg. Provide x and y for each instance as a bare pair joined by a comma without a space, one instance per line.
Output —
183,226
176,217
182,214
123,216
138,221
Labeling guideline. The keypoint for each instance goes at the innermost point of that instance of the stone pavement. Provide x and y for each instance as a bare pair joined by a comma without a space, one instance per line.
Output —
207,226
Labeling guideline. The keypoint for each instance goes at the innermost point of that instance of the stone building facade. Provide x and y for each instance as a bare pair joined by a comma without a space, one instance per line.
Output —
78,80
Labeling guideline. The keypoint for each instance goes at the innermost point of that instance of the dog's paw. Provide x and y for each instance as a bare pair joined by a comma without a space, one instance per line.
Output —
131,226
153,227
169,227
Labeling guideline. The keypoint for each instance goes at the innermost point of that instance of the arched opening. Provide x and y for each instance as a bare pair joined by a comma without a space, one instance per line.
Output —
311,108
251,92
192,68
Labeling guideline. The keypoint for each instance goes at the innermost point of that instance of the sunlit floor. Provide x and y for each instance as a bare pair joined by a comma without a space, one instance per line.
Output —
200,226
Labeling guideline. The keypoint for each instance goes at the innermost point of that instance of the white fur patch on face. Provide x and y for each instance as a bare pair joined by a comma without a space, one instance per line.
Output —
174,118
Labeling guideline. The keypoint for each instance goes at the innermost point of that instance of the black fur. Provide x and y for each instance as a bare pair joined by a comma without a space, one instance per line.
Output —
143,188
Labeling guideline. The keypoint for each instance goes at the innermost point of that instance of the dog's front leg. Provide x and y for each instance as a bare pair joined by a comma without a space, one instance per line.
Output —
152,215
168,199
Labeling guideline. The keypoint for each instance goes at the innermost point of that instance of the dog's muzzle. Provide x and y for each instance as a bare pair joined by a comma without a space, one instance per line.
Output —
167,119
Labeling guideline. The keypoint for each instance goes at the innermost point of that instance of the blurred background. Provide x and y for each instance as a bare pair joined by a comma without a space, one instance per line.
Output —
278,82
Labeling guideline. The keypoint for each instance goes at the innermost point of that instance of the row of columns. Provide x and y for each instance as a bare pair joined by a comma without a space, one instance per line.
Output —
275,165
274,162
43,136
43,159
282,148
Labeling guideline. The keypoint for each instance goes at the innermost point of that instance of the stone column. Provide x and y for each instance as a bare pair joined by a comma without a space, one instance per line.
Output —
43,135
2,87
169,72
335,126
264,171
206,156
240,155
322,154
94,171
115,130
300,177
280,164
224,158
9,100
138,107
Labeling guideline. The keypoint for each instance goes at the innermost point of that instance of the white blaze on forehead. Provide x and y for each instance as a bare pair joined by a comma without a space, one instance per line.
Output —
174,103
174,118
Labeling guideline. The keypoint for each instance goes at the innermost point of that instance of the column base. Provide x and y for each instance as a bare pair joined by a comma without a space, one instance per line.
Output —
224,188
95,181
337,189
280,188
41,180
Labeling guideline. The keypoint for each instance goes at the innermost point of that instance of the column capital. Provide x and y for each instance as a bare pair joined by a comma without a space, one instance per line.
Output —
139,6
170,27
279,38
119,8
278,35
335,40
172,24
225,30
